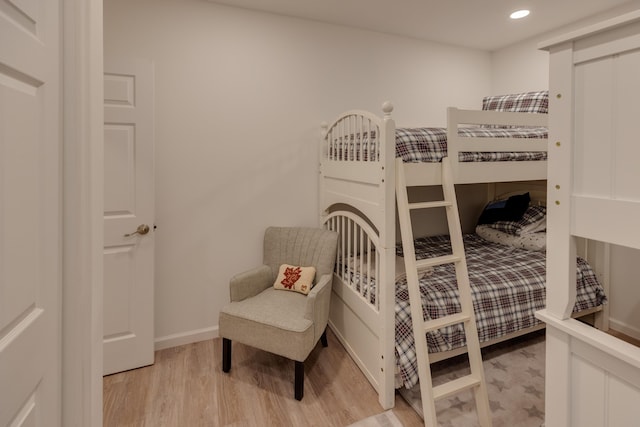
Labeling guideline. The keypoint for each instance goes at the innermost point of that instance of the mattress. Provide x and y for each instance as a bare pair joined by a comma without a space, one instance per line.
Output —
430,145
508,287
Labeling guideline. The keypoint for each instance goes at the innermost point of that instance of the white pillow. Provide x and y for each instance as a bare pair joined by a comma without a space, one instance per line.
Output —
533,220
531,241
294,278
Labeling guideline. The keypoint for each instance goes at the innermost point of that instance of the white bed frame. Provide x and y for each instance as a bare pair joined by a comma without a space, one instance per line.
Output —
357,198
592,379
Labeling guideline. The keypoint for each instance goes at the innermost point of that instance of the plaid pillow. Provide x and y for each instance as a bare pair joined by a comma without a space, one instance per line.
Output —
421,144
528,102
533,221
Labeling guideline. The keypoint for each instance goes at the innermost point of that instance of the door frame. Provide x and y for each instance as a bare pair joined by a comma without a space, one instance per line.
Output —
82,196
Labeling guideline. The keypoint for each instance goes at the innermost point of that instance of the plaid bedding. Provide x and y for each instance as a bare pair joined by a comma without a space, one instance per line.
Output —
527,102
430,145
508,286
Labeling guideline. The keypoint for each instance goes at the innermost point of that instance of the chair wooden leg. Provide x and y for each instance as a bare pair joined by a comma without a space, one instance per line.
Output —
299,380
323,339
226,355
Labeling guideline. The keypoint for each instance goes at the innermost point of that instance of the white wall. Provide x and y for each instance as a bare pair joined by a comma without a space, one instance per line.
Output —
239,101
519,68
522,67
624,298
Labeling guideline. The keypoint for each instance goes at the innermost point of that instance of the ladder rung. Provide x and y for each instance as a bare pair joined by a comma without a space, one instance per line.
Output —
444,321
427,205
475,380
456,386
438,260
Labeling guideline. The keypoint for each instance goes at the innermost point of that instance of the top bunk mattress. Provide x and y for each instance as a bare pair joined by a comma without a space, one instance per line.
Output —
352,142
430,144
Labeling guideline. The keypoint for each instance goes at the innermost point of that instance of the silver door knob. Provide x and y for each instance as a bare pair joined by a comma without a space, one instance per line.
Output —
141,230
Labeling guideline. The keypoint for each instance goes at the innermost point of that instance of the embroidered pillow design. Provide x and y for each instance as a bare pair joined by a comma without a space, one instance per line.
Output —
295,278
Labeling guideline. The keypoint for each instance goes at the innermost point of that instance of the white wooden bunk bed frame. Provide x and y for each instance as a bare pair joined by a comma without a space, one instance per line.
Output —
592,378
357,198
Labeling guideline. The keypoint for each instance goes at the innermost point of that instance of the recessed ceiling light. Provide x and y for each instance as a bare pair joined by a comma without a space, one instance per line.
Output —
518,14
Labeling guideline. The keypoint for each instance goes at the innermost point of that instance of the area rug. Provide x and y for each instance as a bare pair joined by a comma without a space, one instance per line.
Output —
514,372
385,419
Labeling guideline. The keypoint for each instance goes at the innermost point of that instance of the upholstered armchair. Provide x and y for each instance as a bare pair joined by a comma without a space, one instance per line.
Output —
282,321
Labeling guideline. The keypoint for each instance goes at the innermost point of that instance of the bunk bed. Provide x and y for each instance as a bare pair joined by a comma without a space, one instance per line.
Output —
357,199
592,378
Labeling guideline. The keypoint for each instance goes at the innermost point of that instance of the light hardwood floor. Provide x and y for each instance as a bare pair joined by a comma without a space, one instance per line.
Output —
186,387
624,337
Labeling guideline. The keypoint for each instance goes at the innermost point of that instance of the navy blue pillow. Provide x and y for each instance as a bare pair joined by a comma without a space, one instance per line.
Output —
511,209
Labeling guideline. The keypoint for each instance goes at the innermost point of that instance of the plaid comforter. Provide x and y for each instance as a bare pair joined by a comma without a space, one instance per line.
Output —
430,144
508,286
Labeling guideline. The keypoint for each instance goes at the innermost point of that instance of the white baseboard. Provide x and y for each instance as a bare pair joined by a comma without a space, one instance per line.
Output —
184,338
626,329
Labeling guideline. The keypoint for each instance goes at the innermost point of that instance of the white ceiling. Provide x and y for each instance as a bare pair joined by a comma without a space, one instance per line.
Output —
482,24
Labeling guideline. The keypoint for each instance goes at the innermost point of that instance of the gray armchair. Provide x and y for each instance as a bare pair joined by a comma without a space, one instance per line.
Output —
282,322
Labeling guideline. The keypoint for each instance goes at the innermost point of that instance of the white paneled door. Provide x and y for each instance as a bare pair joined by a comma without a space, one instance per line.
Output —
128,215
30,213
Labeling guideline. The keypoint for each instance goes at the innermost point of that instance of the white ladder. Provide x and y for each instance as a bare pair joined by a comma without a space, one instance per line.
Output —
475,381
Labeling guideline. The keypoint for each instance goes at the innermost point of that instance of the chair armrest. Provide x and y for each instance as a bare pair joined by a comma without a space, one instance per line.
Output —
250,283
318,305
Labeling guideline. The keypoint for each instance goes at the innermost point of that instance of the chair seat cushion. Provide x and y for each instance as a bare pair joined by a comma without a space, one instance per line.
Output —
273,321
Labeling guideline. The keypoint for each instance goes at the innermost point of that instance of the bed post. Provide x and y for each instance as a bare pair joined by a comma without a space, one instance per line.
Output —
598,254
386,395
561,245
452,140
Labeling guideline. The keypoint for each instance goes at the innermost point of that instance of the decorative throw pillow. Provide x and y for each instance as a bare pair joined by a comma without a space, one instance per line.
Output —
529,241
528,102
534,220
511,209
295,278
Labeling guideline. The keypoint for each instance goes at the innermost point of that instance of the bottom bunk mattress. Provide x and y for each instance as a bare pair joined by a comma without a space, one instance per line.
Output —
508,287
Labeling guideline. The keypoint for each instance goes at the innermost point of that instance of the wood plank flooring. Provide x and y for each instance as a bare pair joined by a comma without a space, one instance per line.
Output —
624,337
186,387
